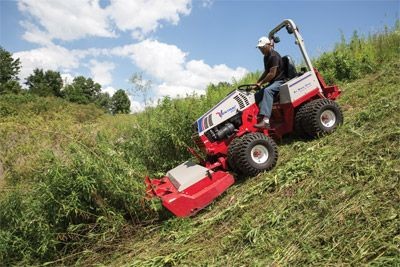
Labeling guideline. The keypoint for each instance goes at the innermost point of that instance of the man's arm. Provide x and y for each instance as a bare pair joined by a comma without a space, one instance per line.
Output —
267,77
262,76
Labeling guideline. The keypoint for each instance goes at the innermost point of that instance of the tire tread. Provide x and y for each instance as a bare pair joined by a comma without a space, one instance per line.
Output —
243,160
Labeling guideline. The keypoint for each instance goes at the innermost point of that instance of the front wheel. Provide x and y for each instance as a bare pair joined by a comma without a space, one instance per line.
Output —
298,121
256,153
232,154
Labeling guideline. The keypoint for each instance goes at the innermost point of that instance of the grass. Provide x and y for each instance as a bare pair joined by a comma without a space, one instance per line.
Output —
72,181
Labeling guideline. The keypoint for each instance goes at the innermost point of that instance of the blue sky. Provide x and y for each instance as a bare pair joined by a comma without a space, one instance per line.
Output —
181,46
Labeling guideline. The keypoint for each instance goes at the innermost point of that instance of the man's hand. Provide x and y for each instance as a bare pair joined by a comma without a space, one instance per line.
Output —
258,85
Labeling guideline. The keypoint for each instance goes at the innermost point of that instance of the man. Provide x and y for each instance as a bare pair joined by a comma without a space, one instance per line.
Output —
274,75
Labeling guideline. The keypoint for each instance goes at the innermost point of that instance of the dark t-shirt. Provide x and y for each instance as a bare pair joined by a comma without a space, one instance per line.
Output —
271,60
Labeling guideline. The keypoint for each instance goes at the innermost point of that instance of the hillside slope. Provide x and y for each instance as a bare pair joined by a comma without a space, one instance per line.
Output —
330,201
72,191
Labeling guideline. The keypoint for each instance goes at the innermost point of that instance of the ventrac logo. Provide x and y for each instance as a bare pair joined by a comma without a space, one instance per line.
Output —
223,112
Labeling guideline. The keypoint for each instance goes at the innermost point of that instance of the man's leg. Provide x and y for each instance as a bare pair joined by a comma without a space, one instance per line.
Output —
268,98
266,103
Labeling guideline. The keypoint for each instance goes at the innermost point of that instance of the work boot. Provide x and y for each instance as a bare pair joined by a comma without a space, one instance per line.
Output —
263,124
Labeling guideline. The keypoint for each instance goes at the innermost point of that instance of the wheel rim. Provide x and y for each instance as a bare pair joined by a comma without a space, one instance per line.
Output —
328,118
259,154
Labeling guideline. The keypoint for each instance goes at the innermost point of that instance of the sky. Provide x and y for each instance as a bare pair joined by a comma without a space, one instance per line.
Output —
181,46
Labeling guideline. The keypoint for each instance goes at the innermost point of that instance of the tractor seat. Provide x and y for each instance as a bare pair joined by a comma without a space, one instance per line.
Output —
289,68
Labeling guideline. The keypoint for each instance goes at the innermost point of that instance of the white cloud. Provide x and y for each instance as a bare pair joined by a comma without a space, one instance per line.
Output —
74,19
52,57
169,65
157,59
207,3
34,35
101,71
67,78
173,73
64,20
144,16
109,89
136,106
55,57
174,90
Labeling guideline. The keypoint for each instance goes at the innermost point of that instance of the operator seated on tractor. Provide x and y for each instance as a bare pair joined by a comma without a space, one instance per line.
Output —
274,75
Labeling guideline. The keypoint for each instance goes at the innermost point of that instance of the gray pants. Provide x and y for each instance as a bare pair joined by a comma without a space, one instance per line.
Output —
265,98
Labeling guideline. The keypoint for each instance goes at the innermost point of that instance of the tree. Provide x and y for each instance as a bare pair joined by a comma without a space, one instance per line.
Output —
103,100
141,86
120,102
47,83
82,90
9,69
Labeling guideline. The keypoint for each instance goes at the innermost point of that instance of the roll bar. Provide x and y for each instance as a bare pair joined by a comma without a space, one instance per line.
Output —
292,28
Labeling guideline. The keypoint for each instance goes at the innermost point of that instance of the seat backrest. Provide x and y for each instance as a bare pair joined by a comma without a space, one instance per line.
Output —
289,68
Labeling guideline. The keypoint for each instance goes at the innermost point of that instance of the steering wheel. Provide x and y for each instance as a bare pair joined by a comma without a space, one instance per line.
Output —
248,87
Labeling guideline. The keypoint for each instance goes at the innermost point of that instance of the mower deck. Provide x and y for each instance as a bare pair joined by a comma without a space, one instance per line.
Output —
186,195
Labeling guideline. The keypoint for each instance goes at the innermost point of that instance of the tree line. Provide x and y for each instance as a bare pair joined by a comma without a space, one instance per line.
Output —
47,83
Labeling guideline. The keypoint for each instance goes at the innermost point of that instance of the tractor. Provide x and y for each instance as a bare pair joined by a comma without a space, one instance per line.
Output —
227,136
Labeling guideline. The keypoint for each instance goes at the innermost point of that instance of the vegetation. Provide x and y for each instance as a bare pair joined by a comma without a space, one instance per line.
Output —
82,90
361,56
120,102
43,83
9,69
74,182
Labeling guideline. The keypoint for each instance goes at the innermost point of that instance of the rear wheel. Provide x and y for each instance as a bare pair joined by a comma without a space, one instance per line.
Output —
256,153
322,117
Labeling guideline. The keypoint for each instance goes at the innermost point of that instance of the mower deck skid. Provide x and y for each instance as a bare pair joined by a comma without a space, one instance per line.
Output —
188,188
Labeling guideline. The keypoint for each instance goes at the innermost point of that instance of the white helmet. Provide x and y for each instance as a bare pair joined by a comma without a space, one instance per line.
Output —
263,41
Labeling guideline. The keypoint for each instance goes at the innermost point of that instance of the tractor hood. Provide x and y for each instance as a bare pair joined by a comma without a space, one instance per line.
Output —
232,104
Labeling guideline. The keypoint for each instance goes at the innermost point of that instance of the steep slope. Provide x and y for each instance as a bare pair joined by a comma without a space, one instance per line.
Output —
71,180
330,201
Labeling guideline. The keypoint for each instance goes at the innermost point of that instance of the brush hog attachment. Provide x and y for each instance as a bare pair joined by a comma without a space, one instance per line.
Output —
188,188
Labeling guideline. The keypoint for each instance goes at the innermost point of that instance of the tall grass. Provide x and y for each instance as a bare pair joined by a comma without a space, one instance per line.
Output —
67,187
352,60
75,175
71,205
